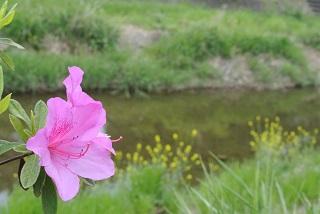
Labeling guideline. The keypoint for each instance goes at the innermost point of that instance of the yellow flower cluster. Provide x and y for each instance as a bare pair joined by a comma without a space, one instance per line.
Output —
270,135
177,157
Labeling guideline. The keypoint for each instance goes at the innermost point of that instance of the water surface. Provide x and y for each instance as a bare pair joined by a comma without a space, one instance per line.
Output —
220,116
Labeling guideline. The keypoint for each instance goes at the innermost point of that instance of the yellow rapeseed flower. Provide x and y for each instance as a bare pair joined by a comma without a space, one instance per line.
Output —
194,157
175,136
168,148
194,133
157,138
139,147
128,156
173,165
135,157
188,149
189,177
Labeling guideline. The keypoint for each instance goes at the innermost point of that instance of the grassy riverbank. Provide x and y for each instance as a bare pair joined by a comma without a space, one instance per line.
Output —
151,46
255,186
283,177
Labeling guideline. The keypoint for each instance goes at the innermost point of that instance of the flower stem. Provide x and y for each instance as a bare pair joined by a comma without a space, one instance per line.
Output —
18,157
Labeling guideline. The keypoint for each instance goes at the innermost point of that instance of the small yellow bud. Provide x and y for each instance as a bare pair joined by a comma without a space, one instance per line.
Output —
189,177
128,156
168,148
188,149
173,165
135,157
194,133
194,157
157,138
175,136
139,147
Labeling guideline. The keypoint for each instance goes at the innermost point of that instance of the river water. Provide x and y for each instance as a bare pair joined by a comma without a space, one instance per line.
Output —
220,117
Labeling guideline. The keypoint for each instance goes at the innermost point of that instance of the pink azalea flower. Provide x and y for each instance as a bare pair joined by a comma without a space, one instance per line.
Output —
71,145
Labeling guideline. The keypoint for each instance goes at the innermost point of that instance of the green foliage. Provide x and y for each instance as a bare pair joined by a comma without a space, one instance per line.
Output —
7,61
1,82
49,197
177,157
38,186
40,110
4,103
18,127
312,39
6,146
30,171
190,36
270,136
142,190
6,17
269,183
82,25
264,185
17,110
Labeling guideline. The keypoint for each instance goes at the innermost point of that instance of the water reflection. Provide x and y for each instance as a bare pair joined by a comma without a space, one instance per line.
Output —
220,116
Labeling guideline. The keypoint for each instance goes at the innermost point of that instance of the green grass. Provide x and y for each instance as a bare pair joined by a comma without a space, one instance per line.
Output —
131,193
263,185
192,35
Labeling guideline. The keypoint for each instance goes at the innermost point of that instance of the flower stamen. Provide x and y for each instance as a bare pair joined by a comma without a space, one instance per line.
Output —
117,140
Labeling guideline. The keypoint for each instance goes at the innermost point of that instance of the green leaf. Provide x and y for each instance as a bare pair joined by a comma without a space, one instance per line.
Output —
18,126
3,9
21,164
10,42
7,61
89,182
6,146
28,133
32,118
1,82
49,197
4,103
41,112
21,149
16,109
30,171
7,19
37,187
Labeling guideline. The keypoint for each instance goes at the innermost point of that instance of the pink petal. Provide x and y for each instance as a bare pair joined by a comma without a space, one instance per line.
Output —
59,118
96,164
88,121
39,145
67,183
105,142
72,83
75,94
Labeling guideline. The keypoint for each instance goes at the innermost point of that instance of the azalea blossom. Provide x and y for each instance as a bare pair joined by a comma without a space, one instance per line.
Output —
72,145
